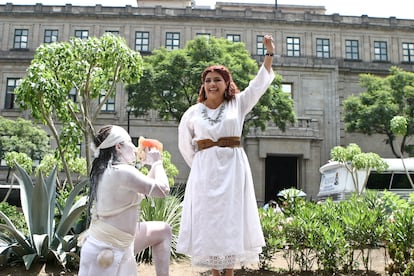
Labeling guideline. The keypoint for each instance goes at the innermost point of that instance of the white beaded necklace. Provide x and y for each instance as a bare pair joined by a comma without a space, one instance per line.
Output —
211,120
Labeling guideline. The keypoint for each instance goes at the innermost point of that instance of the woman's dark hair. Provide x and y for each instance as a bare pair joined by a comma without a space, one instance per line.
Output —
231,90
99,164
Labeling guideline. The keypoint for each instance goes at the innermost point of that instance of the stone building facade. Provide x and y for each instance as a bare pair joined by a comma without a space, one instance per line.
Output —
319,56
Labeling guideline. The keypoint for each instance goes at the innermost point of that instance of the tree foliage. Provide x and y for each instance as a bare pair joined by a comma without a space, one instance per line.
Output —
354,160
69,82
22,136
399,126
12,158
385,97
172,79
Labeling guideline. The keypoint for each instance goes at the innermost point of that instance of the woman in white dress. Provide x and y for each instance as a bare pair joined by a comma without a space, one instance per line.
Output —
220,225
115,234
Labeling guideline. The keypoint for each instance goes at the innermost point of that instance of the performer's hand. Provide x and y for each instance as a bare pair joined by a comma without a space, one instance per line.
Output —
269,44
165,190
151,156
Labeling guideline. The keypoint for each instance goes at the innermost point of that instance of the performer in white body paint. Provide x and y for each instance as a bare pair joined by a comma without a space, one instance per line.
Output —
115,234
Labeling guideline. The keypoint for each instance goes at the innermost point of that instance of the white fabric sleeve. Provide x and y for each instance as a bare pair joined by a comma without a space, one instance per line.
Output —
257,87
185,137
157,180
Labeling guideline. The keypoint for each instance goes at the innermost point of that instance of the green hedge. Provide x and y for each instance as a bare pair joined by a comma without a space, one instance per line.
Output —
331,235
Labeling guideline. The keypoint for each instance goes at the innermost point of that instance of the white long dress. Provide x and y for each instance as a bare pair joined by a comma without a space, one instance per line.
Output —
220,225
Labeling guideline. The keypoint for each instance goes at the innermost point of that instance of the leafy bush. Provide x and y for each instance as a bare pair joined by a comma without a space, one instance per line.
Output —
400,239
14,215
363,221
299,231
21,158
272,226
336,235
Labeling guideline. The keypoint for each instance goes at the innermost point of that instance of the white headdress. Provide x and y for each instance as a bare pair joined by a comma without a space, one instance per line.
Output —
116,136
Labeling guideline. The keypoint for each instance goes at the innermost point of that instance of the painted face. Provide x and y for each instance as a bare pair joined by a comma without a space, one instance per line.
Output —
214,85
126,152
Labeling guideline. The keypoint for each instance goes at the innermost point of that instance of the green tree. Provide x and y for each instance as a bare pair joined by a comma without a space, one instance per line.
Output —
355,161
399,128
172,80
20,158
385,97
67,83
20,138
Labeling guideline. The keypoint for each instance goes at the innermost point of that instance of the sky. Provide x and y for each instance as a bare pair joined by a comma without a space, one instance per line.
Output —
401,9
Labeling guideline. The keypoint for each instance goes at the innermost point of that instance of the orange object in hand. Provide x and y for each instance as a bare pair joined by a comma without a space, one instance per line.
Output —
149,143
146,143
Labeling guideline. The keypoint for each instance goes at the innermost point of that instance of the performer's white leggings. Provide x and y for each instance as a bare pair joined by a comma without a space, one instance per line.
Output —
151,233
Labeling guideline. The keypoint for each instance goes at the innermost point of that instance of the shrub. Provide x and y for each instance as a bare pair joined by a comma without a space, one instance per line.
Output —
272,226
362,219
300,231
15,216
400,239
332,233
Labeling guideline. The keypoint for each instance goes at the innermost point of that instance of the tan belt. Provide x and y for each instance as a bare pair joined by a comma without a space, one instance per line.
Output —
232,142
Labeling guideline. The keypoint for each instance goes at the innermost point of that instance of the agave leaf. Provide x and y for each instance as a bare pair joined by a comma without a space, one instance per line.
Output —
11,253
26,191
60,256
66,224
20,238
71,198
41,243
16,250
69,242
51,191
6,239
40,209
28,260
7,220
63,243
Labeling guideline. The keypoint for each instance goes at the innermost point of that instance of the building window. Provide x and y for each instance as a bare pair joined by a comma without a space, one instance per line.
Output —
408,52
142,41
233,37
172,41
293,46
82,34
21,38
109,105
260,48
352,49
322,48
10,96
73,95
380,51
112,32
205,35
51,36
287,88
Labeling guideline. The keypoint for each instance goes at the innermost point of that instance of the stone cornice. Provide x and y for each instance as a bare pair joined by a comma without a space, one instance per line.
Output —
244,13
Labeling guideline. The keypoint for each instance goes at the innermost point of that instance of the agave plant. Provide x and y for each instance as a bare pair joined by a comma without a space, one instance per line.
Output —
46,237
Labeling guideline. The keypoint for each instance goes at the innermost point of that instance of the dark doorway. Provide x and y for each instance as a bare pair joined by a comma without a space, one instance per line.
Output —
281,173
